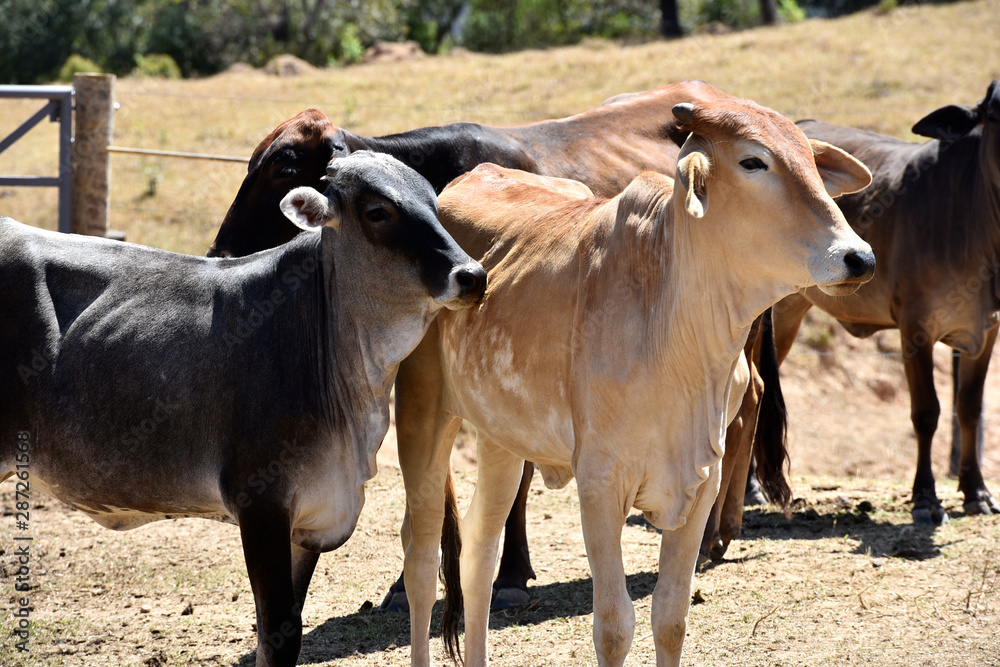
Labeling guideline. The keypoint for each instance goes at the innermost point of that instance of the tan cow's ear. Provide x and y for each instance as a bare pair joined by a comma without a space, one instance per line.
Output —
309,210
692,172
842,173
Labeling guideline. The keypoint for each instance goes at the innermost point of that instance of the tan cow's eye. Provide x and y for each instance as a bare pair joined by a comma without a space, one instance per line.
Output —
753,164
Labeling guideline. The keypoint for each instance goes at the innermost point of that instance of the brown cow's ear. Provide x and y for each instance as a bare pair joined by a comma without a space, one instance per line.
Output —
948,123
309,210
841,172
692,171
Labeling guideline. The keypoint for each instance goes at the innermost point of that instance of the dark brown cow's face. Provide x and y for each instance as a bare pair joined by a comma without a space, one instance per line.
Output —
295,154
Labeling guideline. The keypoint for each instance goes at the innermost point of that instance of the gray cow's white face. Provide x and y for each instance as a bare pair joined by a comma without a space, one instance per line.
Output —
375,200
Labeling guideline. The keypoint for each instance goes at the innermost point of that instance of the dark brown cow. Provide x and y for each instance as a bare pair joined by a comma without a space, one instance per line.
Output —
603,148
932,215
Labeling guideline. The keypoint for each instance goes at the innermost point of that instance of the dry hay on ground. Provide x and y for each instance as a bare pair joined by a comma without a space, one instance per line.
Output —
841,582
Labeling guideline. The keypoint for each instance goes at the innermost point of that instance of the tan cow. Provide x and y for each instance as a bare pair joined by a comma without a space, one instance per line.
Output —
610,348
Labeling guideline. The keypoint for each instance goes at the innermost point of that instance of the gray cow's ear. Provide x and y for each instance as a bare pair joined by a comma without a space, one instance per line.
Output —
309,209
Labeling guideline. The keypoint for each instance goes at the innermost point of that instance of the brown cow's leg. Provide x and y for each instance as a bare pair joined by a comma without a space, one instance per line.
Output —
731,523
925,410
511,586
969,401
726,517
268,553
713,544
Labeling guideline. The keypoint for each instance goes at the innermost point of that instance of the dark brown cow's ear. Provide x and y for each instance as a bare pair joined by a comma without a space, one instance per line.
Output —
309,210
947,123
842,173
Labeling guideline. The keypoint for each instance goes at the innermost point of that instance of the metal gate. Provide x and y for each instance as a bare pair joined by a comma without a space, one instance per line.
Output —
59,109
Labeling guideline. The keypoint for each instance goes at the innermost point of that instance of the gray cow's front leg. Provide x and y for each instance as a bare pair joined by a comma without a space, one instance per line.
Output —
268,553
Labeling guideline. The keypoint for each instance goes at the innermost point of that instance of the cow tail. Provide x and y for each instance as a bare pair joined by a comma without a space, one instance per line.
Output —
770,449
451,550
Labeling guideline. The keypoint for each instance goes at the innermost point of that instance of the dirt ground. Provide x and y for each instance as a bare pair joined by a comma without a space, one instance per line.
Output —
846,581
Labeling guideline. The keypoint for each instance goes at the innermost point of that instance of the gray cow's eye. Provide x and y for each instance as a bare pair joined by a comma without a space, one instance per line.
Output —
377,214
753,164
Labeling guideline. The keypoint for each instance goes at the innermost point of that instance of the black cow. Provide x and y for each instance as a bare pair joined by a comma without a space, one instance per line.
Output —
137,384
932,215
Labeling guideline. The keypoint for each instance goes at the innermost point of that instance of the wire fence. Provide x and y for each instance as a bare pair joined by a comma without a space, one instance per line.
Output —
467,111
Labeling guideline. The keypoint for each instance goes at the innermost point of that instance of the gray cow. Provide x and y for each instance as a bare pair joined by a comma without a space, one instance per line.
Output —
138,385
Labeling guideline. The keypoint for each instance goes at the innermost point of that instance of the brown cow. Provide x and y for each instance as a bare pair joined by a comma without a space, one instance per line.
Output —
933,217
603,148
610,348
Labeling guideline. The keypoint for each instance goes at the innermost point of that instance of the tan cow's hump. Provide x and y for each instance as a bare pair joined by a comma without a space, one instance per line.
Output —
492,204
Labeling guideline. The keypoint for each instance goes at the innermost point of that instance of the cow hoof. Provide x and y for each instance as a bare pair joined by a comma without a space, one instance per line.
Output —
929,516
509,598
395,602
984,504
753,494
718,551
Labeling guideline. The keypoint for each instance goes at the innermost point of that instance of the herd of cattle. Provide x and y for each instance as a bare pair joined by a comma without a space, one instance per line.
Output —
593,293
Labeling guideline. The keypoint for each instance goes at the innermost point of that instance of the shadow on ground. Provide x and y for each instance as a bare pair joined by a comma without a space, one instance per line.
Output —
879,534
374,631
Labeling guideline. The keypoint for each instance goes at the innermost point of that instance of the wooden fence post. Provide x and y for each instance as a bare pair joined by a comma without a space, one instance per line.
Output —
94,126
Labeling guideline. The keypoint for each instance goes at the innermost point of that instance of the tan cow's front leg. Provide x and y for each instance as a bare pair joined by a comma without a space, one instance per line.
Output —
603,512
496,487
678,557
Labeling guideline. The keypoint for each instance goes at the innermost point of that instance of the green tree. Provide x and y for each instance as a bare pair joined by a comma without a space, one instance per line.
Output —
312,29
502,25
430,22
37,38
204,36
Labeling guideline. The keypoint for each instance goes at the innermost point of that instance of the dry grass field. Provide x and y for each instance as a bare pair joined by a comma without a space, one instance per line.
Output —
846,581
880,72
